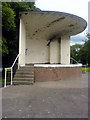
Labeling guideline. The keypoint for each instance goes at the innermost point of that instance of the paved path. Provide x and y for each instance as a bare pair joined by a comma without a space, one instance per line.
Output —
57,99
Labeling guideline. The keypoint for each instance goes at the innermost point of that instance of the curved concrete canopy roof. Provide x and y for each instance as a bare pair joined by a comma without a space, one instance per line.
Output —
51,25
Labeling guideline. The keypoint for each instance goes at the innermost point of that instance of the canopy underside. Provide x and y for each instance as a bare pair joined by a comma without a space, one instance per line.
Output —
51,25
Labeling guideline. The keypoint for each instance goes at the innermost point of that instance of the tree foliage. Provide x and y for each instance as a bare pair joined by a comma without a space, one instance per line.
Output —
84,53
8,17
10,28
75,50
3,43
81,53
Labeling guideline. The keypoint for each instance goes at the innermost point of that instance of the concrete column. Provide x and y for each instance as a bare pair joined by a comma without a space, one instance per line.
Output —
54,52
65,50
22,40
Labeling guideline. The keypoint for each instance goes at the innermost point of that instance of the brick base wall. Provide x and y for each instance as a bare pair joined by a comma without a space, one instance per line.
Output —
56,73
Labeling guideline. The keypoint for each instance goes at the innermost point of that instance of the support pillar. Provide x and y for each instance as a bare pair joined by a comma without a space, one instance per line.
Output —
22,41
54,52
65,50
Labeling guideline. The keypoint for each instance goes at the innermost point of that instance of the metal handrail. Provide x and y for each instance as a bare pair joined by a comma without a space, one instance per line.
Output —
15,61
11,68
74,60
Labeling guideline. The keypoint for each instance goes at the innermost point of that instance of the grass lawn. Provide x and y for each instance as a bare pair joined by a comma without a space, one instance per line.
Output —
87,69
2,80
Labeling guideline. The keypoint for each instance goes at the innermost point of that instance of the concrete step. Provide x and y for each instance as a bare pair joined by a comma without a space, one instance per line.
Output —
22,82
23,79
26,68
29,65
25,71
24,75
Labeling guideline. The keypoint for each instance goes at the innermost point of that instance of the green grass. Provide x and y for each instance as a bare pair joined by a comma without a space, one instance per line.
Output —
9,70
87,69
2,80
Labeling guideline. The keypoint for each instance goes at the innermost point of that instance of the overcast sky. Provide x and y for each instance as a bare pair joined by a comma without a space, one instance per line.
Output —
76,7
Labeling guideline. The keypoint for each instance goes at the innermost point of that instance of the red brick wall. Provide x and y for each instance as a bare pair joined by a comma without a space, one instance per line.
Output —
56,73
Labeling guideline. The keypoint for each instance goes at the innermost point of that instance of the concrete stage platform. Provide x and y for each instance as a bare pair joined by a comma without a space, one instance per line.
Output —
48,72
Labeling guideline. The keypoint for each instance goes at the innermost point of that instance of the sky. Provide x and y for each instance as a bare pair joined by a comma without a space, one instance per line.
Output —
76,7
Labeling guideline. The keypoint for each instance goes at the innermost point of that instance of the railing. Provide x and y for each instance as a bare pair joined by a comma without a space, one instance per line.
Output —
85,67
74,60
11,69
78,63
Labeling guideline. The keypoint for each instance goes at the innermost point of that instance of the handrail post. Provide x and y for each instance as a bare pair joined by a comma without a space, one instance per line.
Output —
11,68
11,75
5,77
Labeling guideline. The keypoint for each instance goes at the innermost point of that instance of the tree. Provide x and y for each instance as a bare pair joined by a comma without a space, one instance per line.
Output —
84,53
10,28
3,43
81,53
8,17
74,51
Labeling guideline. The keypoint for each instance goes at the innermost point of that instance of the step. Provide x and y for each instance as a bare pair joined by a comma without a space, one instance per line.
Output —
24,72
23,79
31,78
24,75
29,65
26,69
22,82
